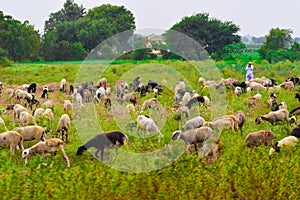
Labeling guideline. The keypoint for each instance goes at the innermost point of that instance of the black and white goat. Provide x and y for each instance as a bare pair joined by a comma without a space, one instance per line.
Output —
102,140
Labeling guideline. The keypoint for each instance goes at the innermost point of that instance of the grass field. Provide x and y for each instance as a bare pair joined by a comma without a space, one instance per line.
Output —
239,173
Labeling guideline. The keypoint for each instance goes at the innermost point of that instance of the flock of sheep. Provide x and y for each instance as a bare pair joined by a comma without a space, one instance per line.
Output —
27,111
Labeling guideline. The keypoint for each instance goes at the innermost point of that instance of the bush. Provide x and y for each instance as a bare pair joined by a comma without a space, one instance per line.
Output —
5,62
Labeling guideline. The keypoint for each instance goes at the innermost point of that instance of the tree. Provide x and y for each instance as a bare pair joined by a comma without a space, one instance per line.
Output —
209,31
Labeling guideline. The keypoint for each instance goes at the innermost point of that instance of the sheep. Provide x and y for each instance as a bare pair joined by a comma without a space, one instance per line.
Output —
180,87
193,136
158,90
48,104
150,103
37,114
100,92
48,114
211,149
257,96
31,88
3,123
148,125
256,86
186,98
71,91
12,139
102,83
33,132
20,94
218,124
264,137
206,100
295,111
63,126
68,106
45,92
194,123
194,100
121,88
296,131
238,91
287,141
242,118
152,84
49,146
87,95
17,110
272,101
287,85
102,140
26,118
63,85
281,105
274,117
130,97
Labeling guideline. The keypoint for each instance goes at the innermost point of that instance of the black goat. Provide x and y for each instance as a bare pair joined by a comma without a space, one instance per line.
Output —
194,100
31,88
295,111
296,131
152,84
102,140
45,92
71,90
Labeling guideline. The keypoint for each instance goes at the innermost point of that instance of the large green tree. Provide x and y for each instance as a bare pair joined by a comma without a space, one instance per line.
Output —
209,31
19,40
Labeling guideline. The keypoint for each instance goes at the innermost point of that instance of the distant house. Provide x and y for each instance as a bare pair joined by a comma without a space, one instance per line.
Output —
154,40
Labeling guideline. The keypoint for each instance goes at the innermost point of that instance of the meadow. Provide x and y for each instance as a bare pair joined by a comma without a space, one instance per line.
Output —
240,173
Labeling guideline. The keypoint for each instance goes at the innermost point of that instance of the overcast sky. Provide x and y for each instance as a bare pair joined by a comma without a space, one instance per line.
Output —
255,17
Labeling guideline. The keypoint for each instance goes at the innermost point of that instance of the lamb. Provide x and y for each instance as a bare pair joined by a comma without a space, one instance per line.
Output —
12,139
87,95
63,126
281,105
150,103
242,118
37,114
63,85
3,123
148,125
256,86
186,98
264,137
272,101
48,114
68,106
17,110
102,140
193,136
238,91
180,87
48,104
45,92
130,97
49,146
296,131
193,123
274,117
287,141
33,132
26,118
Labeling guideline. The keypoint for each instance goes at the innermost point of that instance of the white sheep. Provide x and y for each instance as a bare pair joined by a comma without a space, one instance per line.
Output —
68,106
17,109
150,103
63,126
242,118
12,139
186,98
3,123
38,113
33,132
274,117
218,124
148,125
193,136
256,86
287,85
48,104
49,146
26,118
206,100
194,123
102,83
287,141
238,91
63,85
48,114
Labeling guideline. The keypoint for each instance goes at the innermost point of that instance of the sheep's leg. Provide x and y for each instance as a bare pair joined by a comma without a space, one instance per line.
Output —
102,153
195,145
97,153
65,155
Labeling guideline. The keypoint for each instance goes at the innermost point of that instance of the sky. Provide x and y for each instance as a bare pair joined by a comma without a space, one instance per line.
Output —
255,17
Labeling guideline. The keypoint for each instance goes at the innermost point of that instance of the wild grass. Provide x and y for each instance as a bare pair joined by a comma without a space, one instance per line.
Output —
240,173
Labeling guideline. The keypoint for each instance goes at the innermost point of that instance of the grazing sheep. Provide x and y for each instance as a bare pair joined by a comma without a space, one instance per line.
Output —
121,88
49,146
87,95
48,104
264,137
130,97
211,149
256,86
287,141
63,85
281,105
274,117
148,125
272,101
150,103
257,96
193,136
102,140
45,92
102,83
242,118
68,106
296,131
287,85
3,123
180,87
63,126
193,123
195,100
26,118
48,114
206,100
71,90
158,90
295,111
12,139
238,91
219,123
37,113
183,110
17,110
33,132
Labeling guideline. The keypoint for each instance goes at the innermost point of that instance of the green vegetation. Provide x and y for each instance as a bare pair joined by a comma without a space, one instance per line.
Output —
239,173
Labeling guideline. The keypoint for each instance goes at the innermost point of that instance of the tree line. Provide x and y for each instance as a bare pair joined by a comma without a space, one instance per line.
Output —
72,33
